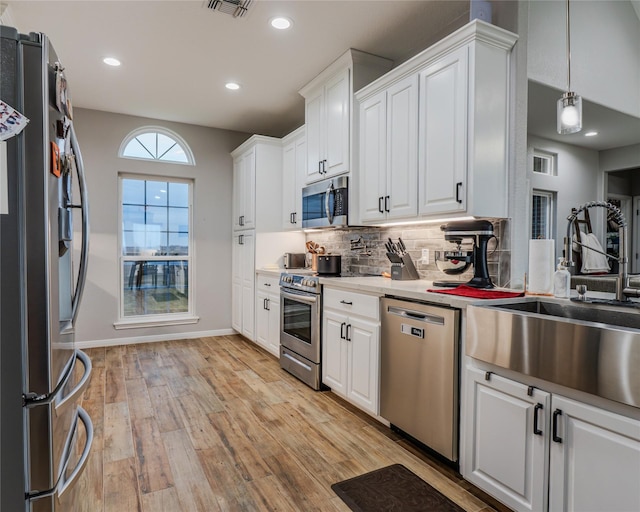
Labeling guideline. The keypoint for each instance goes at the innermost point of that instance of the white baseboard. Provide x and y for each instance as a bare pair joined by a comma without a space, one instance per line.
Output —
151,339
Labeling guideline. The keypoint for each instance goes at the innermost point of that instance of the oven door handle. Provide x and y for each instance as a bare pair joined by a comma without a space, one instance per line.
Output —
299,296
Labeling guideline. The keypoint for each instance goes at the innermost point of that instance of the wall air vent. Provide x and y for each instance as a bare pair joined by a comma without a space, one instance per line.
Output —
236,8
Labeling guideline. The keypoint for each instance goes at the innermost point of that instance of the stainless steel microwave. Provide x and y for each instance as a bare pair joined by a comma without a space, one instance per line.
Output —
326,204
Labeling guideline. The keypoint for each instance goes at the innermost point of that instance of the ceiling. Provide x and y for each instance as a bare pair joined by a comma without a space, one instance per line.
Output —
615,129
177,55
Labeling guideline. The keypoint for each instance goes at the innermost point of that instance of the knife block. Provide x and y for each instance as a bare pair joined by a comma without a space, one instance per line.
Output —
404,271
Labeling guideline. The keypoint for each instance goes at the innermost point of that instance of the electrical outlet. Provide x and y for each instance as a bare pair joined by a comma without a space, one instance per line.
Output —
425,256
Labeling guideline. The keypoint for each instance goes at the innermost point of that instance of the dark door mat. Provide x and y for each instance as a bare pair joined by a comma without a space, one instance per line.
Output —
393,488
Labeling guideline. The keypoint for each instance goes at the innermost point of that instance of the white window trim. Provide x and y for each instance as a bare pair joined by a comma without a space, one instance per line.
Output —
551,223
552,158
141,321
164,131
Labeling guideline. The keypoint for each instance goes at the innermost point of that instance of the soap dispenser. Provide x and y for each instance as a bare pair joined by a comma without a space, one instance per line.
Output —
562,281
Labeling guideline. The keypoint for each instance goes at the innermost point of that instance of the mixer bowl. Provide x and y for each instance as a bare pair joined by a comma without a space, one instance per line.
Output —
453,262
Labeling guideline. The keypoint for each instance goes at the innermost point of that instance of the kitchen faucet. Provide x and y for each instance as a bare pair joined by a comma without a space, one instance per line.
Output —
623,291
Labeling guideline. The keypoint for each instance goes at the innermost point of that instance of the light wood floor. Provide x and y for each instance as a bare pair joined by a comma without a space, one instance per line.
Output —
215,424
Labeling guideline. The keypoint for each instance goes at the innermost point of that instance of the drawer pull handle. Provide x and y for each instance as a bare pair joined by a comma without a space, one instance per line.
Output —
342,326
347,302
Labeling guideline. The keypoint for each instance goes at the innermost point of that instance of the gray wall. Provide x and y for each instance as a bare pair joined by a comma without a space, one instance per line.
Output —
605,50
100,135
576,182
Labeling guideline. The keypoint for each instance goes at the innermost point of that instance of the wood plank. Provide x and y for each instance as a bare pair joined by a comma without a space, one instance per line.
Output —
166,410
191,484
118,443
121,486
114,388
138,397
153,466
165,500
131,365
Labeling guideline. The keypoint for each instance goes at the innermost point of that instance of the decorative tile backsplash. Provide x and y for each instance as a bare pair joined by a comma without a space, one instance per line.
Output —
373,258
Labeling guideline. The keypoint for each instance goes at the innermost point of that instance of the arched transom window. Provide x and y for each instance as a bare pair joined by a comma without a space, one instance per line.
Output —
158,144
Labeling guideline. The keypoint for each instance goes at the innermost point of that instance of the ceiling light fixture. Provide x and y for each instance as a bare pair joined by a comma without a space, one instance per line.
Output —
591,134
281,23
111,61
232,86
569,115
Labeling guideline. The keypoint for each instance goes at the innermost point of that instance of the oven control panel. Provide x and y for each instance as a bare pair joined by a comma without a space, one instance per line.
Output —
307,283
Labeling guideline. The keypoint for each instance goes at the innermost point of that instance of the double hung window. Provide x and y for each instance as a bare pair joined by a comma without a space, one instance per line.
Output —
156,251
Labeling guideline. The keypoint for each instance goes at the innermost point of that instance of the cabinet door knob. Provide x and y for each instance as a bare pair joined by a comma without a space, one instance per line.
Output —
555,436
536,430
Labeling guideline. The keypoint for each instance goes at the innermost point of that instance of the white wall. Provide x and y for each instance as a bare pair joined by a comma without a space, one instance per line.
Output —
100,135
605,50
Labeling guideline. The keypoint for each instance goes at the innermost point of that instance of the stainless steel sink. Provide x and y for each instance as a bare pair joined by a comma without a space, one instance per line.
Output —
590,347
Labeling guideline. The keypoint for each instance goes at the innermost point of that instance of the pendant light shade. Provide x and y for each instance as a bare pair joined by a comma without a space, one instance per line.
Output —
569,112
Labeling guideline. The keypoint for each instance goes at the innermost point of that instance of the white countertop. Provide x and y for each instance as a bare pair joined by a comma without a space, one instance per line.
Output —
415,289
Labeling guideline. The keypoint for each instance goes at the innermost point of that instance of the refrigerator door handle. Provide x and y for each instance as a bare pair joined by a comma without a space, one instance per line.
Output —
30,400
63,482
84,251
74,395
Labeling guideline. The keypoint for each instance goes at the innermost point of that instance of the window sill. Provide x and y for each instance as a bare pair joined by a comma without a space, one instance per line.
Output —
140,323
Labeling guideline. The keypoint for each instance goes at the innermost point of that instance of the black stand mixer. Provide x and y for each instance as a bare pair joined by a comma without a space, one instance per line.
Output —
456,262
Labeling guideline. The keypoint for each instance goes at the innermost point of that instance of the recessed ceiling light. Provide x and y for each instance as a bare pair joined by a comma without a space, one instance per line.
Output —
281,23
111,61
591,134
232,85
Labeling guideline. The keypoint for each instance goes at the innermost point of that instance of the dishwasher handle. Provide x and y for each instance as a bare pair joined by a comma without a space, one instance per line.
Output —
416,315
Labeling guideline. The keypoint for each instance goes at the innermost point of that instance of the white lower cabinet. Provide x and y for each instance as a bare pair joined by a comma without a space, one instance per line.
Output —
268,314
595,459
243,283
535,451
351,347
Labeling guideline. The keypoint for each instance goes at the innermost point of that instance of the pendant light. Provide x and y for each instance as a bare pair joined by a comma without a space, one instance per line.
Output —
569,115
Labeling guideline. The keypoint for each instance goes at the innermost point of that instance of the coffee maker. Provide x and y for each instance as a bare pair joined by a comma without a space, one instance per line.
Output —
457,261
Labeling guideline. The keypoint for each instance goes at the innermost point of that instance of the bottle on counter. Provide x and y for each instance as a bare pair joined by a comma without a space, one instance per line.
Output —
562,281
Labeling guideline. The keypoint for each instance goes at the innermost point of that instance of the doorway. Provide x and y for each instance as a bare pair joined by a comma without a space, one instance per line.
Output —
623,191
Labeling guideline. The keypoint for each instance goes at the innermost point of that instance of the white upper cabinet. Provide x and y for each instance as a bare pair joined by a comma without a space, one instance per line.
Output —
443,135
257,166
388,152
244,190
328,112
459,142
294,156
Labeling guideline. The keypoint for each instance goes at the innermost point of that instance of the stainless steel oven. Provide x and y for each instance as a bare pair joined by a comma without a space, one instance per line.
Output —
300,324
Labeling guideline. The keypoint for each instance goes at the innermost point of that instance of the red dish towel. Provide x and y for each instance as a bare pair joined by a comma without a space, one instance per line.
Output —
470,291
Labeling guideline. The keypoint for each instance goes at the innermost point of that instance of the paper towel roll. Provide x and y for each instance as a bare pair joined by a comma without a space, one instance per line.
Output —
541,266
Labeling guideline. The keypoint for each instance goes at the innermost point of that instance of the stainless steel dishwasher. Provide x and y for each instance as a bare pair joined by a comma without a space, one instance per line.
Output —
419,372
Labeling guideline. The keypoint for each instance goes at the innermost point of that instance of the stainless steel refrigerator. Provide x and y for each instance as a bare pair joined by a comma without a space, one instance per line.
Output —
45,436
